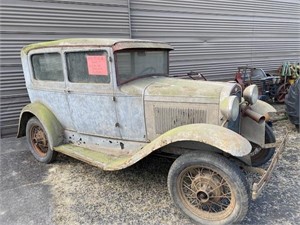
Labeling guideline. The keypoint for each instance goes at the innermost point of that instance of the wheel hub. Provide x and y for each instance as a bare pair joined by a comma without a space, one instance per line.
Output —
206,187
202,196
39,140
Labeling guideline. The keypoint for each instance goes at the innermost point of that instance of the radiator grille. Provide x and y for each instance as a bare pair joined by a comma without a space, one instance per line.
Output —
169,118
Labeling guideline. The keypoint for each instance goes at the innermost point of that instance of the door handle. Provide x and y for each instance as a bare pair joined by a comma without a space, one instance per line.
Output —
67,91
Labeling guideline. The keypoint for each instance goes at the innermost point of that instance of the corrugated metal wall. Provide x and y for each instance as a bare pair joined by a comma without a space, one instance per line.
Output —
216,36
213,37
28,21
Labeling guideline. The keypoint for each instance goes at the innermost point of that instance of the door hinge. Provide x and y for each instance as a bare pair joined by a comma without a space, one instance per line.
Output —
110,58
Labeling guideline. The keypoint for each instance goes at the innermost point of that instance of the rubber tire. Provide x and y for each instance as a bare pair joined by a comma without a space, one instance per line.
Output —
228,169
265,154
292,104
50,155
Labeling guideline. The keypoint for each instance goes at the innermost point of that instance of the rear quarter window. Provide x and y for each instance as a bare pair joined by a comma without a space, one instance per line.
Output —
88,67
47,66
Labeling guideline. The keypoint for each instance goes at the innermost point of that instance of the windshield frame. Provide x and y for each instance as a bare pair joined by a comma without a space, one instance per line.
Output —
142,76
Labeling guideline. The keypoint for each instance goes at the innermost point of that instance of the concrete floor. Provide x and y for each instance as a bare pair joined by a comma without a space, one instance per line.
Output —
72,192
24,195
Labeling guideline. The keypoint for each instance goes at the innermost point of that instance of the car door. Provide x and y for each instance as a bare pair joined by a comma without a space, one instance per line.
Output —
90,91
48,82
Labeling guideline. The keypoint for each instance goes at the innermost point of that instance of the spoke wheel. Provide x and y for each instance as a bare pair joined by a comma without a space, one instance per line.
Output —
281,92
208,188
37,138
206,193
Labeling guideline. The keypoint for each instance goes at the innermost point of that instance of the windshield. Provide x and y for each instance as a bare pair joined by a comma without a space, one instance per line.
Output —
134,64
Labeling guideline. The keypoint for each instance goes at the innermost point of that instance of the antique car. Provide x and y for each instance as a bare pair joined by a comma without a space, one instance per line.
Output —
111,102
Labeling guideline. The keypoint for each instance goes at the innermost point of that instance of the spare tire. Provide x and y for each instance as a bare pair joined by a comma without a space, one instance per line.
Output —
292,103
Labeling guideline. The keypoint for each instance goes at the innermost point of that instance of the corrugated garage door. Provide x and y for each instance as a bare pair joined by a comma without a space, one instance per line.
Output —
28,21
216,36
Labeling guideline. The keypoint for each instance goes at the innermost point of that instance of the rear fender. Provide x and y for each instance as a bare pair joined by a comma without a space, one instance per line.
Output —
50,123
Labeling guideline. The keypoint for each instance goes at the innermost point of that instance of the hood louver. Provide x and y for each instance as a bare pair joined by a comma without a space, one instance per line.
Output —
167,118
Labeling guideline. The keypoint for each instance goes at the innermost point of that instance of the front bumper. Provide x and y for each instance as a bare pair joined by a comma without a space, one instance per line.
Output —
266,174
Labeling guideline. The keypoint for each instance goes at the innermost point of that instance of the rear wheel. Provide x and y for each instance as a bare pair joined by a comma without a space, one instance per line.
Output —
209,188
38,141
260,156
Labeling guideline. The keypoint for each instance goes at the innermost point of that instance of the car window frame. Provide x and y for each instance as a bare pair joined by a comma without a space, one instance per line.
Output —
89,87
118,83
46,84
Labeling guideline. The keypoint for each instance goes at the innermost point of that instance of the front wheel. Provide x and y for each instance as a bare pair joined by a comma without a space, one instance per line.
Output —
209,188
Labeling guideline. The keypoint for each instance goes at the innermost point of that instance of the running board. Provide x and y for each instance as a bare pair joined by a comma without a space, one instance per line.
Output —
95,158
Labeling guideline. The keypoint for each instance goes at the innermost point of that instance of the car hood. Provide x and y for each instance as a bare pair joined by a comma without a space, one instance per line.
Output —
156,87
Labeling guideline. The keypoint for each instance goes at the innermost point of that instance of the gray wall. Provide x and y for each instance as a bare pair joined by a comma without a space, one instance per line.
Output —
213,37
216,36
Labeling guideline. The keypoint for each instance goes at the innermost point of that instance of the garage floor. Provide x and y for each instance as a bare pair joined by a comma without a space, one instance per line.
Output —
71,192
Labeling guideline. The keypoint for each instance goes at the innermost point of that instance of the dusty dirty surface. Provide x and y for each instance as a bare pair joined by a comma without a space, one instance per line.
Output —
82,194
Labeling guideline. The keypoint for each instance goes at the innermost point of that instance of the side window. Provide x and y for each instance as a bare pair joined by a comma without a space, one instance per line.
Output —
47,66
88,67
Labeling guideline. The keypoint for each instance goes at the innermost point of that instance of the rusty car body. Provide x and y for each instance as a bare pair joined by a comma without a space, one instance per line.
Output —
111,103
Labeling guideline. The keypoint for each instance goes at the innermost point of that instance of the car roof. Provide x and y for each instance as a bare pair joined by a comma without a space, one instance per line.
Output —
116,44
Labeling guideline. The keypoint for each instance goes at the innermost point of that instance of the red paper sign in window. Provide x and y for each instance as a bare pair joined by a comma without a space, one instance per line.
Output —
97,65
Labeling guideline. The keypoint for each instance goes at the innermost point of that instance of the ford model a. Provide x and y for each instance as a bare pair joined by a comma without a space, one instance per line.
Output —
111,103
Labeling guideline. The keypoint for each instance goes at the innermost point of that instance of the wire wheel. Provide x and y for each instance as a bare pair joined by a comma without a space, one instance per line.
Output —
206,193
281,92
39,140
209,188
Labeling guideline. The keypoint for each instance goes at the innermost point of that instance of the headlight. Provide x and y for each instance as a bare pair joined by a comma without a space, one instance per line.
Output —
230,107
251,94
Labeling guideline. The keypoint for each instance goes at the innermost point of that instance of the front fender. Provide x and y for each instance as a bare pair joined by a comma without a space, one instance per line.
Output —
262,108
216,136
52,126
248,126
